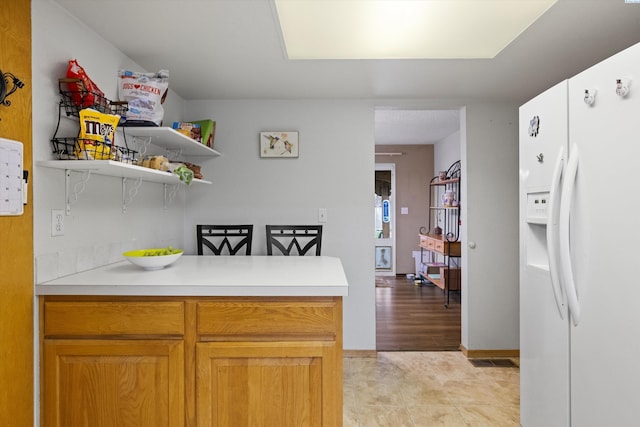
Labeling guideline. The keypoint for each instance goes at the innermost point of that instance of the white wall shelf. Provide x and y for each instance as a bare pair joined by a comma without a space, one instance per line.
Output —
114,169
170,139
118,169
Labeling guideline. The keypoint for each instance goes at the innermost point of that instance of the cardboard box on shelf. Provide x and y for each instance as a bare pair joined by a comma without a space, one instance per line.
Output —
190,129
208,131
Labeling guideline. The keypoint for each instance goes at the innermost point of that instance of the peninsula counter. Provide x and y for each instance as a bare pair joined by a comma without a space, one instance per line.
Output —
207,341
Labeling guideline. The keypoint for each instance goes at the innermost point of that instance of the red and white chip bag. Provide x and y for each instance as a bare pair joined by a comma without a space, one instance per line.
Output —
144,93
84,93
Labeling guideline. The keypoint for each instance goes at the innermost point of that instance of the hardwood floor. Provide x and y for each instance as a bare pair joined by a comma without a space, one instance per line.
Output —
413,318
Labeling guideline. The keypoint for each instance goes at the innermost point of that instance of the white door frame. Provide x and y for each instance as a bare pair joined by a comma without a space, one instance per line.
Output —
391,241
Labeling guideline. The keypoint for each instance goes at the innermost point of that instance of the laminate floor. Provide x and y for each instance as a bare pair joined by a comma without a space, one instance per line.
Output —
419,378
414,318
429,389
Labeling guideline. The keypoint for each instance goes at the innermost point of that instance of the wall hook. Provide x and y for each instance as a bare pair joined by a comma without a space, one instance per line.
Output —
622,87
589,96
5,91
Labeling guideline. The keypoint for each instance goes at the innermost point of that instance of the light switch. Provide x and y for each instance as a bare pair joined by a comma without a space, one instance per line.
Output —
322,214
404,211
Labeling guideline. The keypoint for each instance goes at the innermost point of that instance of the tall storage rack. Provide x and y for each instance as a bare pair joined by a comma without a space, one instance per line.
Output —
440,248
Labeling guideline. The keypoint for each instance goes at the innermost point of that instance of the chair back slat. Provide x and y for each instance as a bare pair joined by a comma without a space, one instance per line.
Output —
224,239
302,238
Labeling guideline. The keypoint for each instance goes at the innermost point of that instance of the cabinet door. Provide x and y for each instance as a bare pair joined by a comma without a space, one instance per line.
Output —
106,383
266,384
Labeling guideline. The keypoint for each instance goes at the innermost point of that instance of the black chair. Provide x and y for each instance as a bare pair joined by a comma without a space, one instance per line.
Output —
219,237
286,237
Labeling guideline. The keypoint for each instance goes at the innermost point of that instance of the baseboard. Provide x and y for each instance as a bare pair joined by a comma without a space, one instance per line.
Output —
360,353
469,354
489,354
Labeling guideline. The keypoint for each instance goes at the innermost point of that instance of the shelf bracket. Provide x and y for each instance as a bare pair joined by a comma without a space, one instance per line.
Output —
170,194
128,196
71,196
142,142
173,154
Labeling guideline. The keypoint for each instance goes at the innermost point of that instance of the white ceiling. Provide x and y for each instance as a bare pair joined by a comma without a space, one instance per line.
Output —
232,49
414,126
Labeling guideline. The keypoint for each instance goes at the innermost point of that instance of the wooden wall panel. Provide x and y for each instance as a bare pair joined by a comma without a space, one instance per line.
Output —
16,233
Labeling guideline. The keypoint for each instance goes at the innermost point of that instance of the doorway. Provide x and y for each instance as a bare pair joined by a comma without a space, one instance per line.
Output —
410,315
384,212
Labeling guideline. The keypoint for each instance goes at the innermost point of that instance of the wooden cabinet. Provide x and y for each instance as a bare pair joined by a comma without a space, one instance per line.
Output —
269,362
267,384
197,361
109,382
112,362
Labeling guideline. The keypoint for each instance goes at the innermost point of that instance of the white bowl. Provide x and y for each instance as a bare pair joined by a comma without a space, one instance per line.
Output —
142,258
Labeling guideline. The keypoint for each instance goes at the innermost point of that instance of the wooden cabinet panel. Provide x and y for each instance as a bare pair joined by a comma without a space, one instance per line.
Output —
253,317
259,361
104,383
284,384
90,318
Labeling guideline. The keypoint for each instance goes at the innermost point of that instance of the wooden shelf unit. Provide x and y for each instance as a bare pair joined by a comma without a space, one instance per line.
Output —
440,240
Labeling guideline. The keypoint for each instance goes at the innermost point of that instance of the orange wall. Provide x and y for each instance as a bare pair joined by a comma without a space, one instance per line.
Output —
16,233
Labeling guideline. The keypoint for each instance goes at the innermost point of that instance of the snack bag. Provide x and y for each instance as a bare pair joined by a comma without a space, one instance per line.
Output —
85,93
144,93
97,131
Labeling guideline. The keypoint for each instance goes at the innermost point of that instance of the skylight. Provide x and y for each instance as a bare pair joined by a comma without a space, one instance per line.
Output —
395,29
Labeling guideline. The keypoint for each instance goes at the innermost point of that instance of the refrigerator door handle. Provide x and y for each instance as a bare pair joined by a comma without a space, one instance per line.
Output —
566,197
552,233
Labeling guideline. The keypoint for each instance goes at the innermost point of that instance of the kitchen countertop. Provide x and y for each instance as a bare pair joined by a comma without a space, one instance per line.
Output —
193,275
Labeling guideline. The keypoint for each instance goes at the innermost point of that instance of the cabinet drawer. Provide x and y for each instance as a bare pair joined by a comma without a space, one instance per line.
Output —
427,242
267,320
90,318
438,245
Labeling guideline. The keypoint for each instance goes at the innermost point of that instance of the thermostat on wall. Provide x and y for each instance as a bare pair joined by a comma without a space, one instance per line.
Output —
11,177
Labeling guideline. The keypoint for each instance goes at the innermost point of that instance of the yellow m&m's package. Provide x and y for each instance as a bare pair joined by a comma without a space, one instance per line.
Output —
97,132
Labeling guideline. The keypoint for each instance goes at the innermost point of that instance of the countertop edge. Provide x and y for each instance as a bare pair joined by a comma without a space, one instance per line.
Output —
209,276
184,291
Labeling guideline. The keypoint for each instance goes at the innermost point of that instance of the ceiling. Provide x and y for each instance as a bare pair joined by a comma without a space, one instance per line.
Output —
232,49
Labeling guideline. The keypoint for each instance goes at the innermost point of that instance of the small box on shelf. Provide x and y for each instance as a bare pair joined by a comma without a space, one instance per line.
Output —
202,131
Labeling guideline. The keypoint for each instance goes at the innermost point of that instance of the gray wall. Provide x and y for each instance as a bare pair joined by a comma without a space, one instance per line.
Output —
334,171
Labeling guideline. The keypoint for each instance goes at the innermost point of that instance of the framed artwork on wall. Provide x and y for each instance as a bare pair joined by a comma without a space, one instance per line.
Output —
279,144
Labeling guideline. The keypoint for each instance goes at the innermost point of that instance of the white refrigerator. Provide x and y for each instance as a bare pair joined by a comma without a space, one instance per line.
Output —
579,226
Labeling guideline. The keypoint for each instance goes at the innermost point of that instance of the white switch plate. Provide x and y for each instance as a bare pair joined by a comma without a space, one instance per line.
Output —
57,222
404,211
322,214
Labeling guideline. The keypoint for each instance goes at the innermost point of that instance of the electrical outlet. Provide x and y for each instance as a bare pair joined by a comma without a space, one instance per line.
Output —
57,222
322,214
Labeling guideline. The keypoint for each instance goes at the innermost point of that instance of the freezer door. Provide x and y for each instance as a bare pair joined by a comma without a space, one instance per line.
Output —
544,330
605,375
543,130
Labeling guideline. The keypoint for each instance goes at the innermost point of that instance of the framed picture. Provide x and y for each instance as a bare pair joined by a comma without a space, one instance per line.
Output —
383,257
279,144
